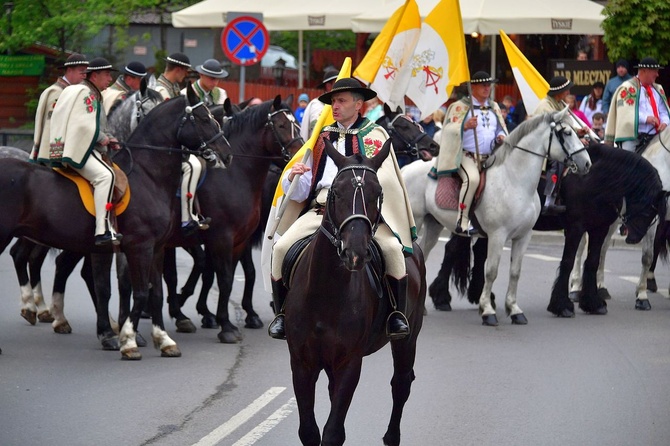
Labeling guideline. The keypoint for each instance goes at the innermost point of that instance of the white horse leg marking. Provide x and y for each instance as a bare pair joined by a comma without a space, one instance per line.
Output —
57,309
576,276
647,256
27,300
39,298
160,338
127,337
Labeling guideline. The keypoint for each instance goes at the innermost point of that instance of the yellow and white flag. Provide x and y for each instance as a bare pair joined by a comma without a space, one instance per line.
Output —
440,61
281,201
386,65
532,86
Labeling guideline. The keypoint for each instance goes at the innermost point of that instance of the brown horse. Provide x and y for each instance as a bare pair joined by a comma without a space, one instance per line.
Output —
336,311
37,203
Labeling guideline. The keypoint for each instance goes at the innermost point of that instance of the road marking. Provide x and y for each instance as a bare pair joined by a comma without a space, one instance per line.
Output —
543,257
240,418
259,431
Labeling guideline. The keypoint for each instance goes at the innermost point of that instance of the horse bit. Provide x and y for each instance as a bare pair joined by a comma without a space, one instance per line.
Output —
358,181
203,150
295,132
410,147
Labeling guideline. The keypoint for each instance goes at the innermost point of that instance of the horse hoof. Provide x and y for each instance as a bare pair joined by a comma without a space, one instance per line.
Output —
228,337
253,322
185,326
443,306
45,316
139,340
519,319
30,316
171,351
209,322
574,296
110,343
566,314
651,285
132,354
642,304
600,311
63,328
603,294
490,320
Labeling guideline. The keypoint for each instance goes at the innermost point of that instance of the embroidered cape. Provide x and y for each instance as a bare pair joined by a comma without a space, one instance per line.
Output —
45,108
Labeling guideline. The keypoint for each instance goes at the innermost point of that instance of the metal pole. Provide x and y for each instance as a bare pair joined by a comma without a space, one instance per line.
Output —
300,61
243,74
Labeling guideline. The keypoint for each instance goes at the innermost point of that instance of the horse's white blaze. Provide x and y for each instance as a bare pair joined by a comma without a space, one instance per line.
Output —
127,336
161,338
57,307
27,301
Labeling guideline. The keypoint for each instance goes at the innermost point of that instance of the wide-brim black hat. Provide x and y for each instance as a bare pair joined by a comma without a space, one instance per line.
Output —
649,63
136,69
348,84
100,64
75,60
482,77
558,85
212,68
179,59
328,76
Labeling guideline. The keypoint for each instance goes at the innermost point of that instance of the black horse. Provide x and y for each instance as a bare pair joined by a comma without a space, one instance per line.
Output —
593,202
410,142
335,314
36,202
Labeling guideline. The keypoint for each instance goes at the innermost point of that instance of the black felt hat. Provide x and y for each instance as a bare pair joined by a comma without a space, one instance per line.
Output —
75,60
179,59
329,76
100,64
136,69
622,63
558,85
212,68
347,84
482,77
649,63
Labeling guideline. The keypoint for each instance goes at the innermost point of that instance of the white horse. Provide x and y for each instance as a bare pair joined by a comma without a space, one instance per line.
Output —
509,205
658,154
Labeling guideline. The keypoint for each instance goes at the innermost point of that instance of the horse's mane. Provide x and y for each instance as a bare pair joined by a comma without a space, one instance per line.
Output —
251,118
616,169
525,128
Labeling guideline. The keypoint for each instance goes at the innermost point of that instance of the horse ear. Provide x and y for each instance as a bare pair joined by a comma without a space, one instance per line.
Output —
380,157
387,110
289,101
143,87
228,107
559,116
276,104
191,96
332,152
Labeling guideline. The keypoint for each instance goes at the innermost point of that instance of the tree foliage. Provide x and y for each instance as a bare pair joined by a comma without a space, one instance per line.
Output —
332,40
69,24
637,28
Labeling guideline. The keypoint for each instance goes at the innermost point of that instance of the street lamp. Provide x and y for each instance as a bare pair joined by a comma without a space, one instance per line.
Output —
278,71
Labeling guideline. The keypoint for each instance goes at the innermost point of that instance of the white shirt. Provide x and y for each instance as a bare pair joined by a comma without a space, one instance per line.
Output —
487,129
645,110
305,181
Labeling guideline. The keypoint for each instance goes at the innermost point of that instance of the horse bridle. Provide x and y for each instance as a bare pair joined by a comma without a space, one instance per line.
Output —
295,132
203,149
358,181
557,128
410,147
139,103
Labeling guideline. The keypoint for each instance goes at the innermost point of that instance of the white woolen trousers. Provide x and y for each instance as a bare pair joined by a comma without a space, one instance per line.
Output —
102,178
191,169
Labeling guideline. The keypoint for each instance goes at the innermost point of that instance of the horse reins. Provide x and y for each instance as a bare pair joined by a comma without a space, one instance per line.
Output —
358,181
558,131
410,147
295,132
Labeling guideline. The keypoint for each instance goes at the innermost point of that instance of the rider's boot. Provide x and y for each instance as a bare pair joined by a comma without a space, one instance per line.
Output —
463,225
276,327
551,190
397,326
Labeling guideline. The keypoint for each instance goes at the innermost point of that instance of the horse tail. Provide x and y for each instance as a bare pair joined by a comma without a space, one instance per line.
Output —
662,239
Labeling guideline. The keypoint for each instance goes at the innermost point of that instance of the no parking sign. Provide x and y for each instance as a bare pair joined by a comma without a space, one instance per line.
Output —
245,40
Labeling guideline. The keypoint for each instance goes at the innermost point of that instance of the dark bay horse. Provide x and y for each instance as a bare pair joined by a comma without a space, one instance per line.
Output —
593,203
334,314
36,202
258,135
410,142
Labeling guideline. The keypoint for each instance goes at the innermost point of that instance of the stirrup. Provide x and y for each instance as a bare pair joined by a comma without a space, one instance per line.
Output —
399,335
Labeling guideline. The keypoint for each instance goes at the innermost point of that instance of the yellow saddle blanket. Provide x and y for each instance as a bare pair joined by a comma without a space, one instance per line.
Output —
121,189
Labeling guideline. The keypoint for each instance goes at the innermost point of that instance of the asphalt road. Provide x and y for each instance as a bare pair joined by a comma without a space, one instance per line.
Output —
590,380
